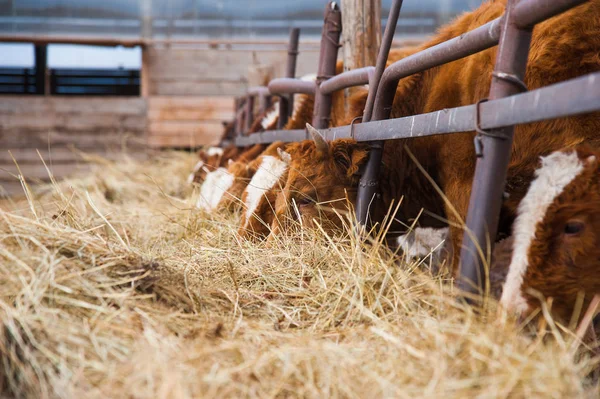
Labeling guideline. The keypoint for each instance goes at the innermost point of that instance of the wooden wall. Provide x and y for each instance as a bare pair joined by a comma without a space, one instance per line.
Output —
187,121
186,94
58,126
183,71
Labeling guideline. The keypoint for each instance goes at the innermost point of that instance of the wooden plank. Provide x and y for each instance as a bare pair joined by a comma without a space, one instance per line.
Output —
145,75
183,128
74,122
361,36
60,154
37,171
190,108
195,88
184,134
72,105
218,64
180,141
11,188
37,139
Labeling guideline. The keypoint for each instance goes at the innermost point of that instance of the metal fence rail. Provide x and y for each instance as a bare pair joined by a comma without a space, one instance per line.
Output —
508,106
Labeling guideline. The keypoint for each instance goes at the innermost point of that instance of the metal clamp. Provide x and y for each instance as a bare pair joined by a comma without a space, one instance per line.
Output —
352,125
511,78
478,141
321,78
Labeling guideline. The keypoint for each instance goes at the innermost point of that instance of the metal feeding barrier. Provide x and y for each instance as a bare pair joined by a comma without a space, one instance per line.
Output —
509,104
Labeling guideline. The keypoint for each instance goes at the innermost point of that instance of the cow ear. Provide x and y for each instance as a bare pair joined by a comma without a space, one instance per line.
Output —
349,157
322,146
591,161
285,156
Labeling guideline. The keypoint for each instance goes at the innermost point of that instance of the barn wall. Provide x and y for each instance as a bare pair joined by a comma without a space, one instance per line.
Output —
187,121
186,94
59,126
181,71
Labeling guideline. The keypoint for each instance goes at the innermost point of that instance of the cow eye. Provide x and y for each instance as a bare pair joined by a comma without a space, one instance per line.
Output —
574,227
304,201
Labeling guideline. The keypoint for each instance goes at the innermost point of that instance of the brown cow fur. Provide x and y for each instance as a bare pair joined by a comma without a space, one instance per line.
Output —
563,47
314,177
243,170
258,226
564,256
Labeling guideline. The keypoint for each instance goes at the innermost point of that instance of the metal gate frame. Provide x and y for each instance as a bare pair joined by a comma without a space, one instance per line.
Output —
509,104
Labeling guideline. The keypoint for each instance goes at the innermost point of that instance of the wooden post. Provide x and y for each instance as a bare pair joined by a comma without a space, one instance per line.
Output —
41,61
361,36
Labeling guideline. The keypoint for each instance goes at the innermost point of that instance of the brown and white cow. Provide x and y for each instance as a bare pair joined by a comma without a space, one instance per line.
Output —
260,194
556,248
562,47
219,181
243,171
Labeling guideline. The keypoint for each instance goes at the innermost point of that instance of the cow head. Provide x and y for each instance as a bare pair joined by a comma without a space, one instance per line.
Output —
322,176
231,199
556,249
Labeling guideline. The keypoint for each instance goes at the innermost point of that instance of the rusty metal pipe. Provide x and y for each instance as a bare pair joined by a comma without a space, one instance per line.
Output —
530,12
290,86
367,185
330,39
239,117
492,165
293,53
249,112
471,42
382,57
572,97
355,77
286,107
258,90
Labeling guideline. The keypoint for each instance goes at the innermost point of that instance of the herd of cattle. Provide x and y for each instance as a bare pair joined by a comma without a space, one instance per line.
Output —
552,201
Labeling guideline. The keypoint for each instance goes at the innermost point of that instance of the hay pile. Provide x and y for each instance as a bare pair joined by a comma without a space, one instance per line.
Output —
113,285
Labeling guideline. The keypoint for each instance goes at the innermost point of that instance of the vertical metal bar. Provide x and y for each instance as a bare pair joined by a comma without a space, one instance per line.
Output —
236,106
286,106
292,53
491,167
26,81
249,113
262,103
41,55
239,122
370,178
330,39
382,57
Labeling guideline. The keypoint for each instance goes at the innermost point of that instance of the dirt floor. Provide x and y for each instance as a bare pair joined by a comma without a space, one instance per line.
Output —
114,285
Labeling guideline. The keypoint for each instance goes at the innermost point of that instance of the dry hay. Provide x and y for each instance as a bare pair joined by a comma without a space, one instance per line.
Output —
113,285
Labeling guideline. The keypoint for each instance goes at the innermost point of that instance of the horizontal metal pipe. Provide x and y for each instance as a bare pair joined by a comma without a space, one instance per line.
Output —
355,77
478,39
572,97
530,12
258,91
291,86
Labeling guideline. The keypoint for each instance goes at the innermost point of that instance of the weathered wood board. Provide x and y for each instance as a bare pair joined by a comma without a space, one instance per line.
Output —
173,70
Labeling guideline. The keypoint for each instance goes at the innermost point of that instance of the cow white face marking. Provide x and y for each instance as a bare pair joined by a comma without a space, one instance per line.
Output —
423,241
216,184
556,172
190,178
270,118
214,151
311,77
268,174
